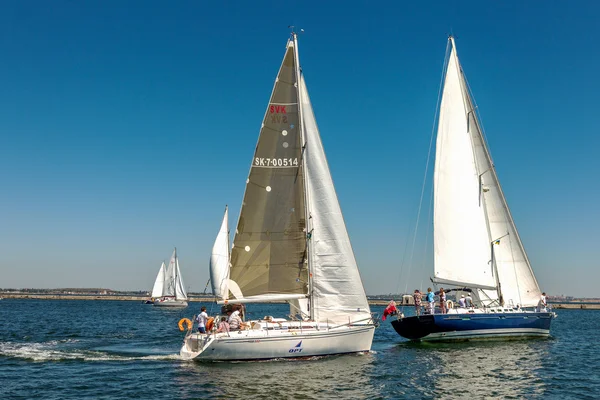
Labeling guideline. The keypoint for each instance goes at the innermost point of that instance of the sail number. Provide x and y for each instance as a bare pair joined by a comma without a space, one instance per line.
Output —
275,162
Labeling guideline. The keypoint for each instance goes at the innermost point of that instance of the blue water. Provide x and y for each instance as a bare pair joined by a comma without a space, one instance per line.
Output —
118,349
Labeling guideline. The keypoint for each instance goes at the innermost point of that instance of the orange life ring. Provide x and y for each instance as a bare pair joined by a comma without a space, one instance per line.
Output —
209,324
187,322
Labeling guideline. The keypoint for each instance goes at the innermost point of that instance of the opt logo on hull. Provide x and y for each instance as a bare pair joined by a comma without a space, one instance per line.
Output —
297,348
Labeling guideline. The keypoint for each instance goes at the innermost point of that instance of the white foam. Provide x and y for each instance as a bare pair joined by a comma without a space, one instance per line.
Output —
47,351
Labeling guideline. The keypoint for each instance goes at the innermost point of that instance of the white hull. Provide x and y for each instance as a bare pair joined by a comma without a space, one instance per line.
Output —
264,344
170,303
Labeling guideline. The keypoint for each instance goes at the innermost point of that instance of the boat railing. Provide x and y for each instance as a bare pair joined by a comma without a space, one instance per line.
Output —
350,323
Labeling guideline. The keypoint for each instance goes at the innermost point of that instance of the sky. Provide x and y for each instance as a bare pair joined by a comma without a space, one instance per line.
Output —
126,127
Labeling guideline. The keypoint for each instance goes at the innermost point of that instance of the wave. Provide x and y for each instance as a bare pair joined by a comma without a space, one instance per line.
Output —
50,351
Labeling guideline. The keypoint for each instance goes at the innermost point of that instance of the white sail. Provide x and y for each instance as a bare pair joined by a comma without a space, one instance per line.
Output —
180,293
170,275
473,228
173,282
157,290
219,261
461,245
338,293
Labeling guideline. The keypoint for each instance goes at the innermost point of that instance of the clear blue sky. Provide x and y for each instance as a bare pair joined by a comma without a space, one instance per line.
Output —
125,127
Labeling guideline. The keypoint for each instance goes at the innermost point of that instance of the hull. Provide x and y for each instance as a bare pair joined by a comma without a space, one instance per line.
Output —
265,344
459,327
170,303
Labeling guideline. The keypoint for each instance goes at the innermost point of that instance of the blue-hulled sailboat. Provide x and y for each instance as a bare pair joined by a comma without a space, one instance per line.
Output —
476,243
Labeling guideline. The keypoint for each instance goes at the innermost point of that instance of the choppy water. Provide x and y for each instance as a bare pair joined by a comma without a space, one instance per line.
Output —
115,350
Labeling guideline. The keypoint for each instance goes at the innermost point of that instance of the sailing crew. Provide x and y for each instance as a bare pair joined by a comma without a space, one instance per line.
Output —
469,300
442,295
202,318
223,325
462,302
542,303
430,301
417,297
235,321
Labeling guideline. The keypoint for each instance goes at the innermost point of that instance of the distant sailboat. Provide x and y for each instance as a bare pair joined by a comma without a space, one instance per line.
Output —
290,244
476,243
157,289
172,292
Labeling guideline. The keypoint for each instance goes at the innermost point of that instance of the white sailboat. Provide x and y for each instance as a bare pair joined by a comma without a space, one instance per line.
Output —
290,244
172,292
476,244
157,289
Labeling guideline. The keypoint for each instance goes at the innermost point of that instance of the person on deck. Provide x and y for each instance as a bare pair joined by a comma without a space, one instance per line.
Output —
417,297
430,301
469,300
462,302
223,325
541,307
235,321
390,310
202,318
442,301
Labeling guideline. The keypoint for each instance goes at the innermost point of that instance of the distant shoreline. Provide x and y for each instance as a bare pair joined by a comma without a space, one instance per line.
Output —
373,302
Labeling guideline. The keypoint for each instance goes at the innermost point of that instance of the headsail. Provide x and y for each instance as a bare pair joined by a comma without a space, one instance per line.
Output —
474,230
219,261
268,256
338,293
157,289
180,292
173,282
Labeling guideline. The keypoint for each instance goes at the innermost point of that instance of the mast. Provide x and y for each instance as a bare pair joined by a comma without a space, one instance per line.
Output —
308,225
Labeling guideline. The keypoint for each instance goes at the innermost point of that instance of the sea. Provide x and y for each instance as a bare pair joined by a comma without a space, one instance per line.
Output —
83,349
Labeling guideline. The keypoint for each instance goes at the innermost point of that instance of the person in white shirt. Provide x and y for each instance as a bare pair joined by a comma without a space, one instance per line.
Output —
462,303
235,321
542,303
202,318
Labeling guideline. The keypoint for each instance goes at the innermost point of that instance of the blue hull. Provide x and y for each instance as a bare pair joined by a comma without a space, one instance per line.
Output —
457,327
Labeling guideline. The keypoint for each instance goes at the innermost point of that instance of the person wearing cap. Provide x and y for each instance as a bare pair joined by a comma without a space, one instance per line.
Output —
462,302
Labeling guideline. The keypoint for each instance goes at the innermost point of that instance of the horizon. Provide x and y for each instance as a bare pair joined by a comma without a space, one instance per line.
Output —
127,128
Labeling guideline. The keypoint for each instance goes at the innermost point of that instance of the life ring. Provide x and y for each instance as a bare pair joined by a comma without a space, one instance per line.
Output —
210,324
185,321
449,304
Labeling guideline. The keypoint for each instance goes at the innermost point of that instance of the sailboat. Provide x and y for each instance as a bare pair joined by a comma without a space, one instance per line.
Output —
157,289
477,249
172,292
290,245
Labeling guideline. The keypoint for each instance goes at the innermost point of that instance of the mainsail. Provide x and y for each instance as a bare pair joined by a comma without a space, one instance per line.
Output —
269,257
219,261
173,282
476,242
291,241
157,289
